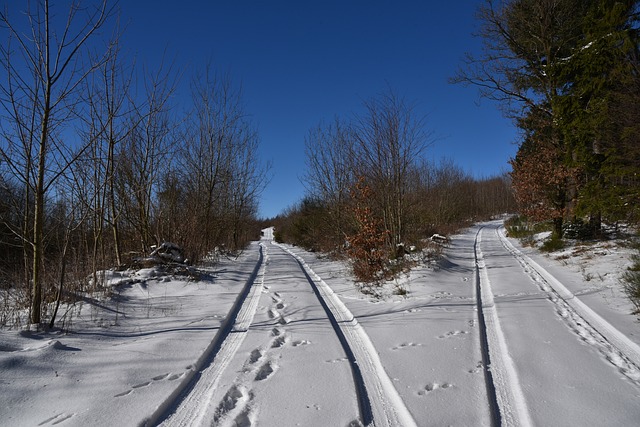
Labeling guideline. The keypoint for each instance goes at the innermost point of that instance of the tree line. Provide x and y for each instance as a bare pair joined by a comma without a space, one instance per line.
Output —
98,162
568,73
372,194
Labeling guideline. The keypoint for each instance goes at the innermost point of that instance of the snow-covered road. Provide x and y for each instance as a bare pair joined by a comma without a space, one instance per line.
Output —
495,335
553,346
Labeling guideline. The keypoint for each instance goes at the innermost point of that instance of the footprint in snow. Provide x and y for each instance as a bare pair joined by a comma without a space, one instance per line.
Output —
279,342
234,397
265,371
255,356
284,320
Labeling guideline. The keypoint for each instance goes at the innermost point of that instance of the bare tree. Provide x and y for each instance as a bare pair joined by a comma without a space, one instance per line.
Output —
111,118
389,141
218,165
45,60
144,156
330,174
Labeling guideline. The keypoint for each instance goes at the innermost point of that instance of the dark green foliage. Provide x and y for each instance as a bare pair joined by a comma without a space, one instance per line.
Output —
521,227
568,73
581,230
552,245
631,282
601,138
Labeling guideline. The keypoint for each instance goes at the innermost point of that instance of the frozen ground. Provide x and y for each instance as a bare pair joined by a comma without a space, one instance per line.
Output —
495,334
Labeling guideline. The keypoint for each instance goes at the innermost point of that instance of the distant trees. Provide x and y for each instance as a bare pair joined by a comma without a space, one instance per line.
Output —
371,193
563,71
96,164
219,176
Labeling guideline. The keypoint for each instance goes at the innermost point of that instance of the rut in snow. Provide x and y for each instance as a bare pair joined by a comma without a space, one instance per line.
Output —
378,400
184,406
592,329
506,400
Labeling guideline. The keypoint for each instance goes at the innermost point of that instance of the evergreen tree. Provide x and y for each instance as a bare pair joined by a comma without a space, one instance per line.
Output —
567,73
599,75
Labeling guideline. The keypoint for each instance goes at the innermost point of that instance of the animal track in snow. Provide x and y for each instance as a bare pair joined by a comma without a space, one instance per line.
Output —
453,334
342,359
276,332
145,384
406,345
441,294
298,343
57,419
161,377
479,368
168,376
433,387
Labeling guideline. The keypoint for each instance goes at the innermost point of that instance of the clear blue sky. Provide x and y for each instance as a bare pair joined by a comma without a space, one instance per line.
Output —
300,62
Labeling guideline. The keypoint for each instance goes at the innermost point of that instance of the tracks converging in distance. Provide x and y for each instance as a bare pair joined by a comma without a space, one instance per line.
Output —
379,403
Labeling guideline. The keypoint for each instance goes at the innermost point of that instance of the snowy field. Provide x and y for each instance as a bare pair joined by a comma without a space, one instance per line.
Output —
494,334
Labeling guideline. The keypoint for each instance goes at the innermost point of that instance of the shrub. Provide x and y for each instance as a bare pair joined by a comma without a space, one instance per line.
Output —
552,245
367,246
631,283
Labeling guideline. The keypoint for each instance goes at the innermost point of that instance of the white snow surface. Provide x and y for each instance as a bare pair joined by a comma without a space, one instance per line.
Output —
493,334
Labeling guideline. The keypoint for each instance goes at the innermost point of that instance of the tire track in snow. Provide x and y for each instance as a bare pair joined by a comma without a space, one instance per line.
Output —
378,400
506,399
615,346
190,404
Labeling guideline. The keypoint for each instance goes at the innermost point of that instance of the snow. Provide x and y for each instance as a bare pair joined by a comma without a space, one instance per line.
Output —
282,337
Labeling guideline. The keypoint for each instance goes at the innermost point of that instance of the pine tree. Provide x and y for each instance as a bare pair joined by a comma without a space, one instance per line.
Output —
601,70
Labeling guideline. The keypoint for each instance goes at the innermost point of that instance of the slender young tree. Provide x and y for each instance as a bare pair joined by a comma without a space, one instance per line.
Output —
330,176
389,142
45,60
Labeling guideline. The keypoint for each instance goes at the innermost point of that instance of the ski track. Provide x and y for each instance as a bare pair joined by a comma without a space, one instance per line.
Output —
191,404
590,327
503,385
380,403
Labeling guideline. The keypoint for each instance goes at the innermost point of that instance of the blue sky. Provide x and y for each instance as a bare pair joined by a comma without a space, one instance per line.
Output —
301,62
